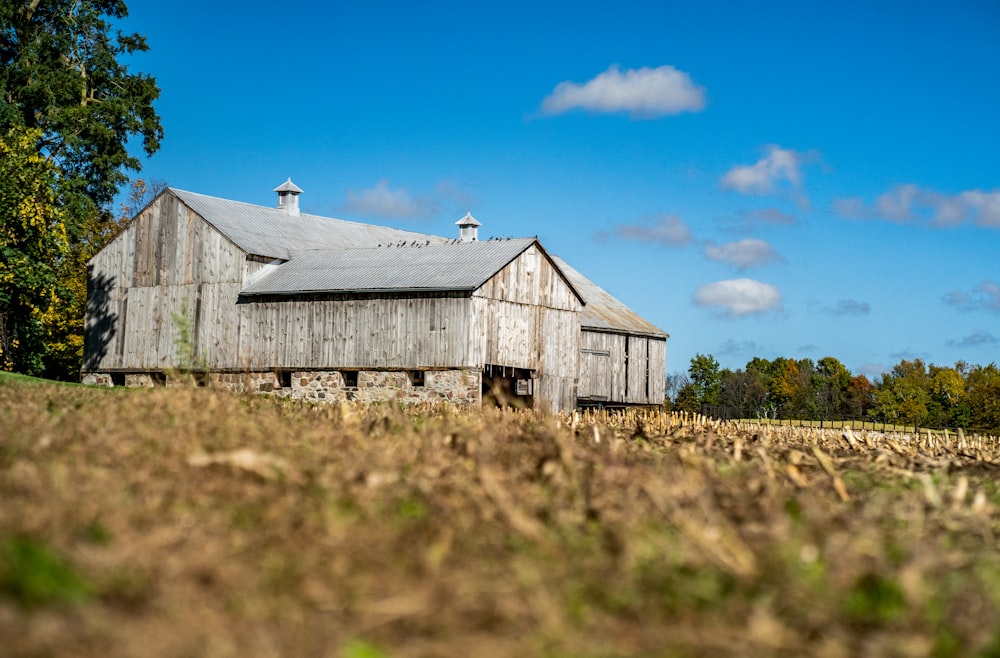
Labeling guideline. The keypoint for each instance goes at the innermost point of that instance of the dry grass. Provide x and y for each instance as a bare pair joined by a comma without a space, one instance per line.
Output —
190,522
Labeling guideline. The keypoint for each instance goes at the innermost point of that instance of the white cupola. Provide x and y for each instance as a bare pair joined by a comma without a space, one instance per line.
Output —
288,197
468,228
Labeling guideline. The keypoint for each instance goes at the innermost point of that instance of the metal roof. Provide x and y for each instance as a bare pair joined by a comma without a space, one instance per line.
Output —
603,312
454,266
468,220
289,186
264,231
329,255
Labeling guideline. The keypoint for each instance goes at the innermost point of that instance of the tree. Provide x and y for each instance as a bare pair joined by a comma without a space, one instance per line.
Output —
859,398
783,385
903,393
32,239
60,73
674,383
947,395
983,396
687,399
73,104
705,378
831,382
743,390
63,322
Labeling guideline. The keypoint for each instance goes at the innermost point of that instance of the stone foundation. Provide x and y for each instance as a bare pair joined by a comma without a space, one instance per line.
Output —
459,386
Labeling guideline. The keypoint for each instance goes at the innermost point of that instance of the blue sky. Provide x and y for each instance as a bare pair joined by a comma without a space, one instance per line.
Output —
760,179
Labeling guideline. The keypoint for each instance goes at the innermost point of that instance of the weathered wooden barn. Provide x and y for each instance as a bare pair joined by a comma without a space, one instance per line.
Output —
271,299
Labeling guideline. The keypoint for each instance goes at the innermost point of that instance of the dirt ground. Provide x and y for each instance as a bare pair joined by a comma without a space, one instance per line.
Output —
191,522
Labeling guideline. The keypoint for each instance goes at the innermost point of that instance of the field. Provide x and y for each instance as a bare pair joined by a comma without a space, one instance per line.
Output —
191,522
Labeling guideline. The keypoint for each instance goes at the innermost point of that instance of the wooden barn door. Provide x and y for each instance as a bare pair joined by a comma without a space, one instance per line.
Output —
595,375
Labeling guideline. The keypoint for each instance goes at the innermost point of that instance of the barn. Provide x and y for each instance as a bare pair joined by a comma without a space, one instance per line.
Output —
279,301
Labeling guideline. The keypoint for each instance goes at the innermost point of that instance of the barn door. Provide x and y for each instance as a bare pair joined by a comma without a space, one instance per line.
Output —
595,375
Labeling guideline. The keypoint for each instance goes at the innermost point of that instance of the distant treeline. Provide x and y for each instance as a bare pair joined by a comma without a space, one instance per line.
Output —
912,393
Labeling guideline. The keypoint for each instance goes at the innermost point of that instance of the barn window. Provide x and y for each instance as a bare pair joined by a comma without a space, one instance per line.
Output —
350,378
416,378
158,378
285,378
118,379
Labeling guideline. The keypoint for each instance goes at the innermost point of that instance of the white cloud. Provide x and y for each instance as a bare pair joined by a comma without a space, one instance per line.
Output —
743,254
739,297
669,230
645,92
984,297
381,200
767,174
911,203
734,347
977,338
984,207
773,216
897,204
873,370
746,221
851,208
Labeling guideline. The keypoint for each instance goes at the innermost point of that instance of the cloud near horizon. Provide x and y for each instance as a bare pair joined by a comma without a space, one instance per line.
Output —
668,230
743,254
912,204
984,297
734,347
977,338
739,297
642,93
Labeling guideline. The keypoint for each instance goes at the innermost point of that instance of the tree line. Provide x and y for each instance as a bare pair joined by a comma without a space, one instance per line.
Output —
911,393
69,109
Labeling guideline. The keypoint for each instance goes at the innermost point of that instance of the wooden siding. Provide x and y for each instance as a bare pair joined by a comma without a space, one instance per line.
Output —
636,370
406,332
657,370
621,368
602,366
167,263
528,317
531,279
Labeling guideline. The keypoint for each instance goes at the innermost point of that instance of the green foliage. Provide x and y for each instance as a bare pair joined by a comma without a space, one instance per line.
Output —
912,393
874,600
32,240
33,575
687,399
68,101
61,72
705,378
983,397
904,393
361,649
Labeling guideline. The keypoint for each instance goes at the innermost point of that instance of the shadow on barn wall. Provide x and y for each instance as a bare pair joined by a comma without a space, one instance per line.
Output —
100,327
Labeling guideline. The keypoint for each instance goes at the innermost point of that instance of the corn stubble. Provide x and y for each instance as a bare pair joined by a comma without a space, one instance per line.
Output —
195,522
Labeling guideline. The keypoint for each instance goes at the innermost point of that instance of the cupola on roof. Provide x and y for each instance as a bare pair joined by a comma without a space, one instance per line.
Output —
288,197
468,228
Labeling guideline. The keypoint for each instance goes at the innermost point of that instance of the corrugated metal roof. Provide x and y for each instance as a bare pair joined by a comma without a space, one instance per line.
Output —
263,231
455,266
327,255
603,312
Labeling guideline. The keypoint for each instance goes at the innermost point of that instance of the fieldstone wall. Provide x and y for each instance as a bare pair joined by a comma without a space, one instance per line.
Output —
459,386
